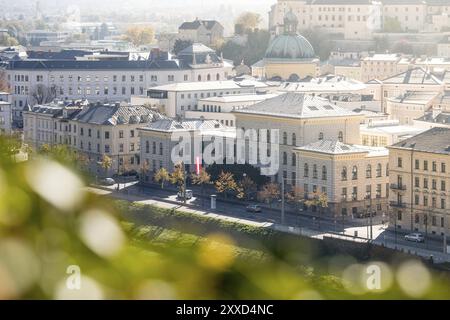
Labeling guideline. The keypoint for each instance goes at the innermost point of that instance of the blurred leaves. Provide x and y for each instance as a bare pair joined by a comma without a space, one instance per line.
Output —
50,227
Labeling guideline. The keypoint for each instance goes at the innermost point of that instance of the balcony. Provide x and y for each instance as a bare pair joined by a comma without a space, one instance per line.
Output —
397,204
398,187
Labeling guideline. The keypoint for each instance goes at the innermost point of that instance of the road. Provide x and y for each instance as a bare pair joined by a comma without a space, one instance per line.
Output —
319,226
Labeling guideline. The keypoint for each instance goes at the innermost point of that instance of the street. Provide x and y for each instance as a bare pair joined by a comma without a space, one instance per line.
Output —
318,227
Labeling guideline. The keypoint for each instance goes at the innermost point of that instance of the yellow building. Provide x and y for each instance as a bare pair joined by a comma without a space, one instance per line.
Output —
289,55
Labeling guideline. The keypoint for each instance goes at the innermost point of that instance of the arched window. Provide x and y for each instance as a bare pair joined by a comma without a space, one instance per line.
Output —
344,174
161,149
294,160
306,170
208,77
379,170
387,170
324,173
284,158
199,77
321,136
355,173
147,147
341,136
284,138
217,77
154,147
369,171
315,171
294,139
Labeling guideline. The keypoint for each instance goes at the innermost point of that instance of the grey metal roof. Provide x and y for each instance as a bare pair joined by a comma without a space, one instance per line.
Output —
194,25
414,76
96,65
436,140
115,115
442,118
297,105
171,125
332,147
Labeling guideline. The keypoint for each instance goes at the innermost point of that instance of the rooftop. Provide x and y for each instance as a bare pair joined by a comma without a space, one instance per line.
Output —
240,98
389,127
440,117
415,97
207,127
414,76
335,147
103,114
297,105
436,140
210,85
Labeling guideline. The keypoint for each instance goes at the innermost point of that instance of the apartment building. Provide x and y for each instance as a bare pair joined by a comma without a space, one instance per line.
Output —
379,66
420,181
355,178
109,80
360,19
353,19
410,106
386,132
209,32
416,80
179,98
300,119
220,108
91,129
5,113
160,141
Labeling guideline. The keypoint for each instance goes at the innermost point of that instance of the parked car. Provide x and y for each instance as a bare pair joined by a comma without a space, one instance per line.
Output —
108,182
253,208
189,194
415,237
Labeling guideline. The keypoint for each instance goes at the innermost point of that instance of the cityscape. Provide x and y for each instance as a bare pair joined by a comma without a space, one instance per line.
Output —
244,150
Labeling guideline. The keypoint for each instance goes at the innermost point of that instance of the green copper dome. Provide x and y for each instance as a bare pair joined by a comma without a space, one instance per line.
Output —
290,46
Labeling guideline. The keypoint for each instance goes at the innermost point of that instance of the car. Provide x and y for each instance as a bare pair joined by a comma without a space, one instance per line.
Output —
108,182
189,194
253,208
415,237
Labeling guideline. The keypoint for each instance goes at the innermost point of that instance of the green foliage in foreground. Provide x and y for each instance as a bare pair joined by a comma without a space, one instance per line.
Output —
51,232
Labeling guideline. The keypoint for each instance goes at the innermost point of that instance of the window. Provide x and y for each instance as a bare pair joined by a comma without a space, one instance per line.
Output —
416,182
321,136
355,173
434,166
344,174
379,170
315,171
443,167
121,134
306,170
147,147
341,136
154,147
324,173
417,164
443,187
294,160
294,139
161,149
369,171
284,138
106,148
131,147
284,158
106,134
399,162
121,147
425,165
131,133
